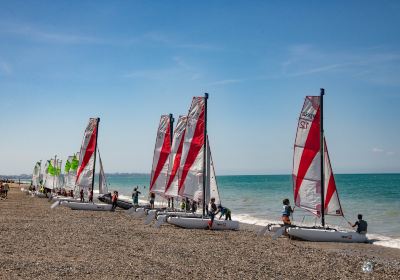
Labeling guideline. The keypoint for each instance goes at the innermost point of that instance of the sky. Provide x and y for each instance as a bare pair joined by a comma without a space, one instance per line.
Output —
128,62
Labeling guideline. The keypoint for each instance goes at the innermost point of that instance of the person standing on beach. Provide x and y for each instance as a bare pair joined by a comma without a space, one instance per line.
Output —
287,211
212,212
361,225
152,199
81,195
91,195
114,200
135,196
6,189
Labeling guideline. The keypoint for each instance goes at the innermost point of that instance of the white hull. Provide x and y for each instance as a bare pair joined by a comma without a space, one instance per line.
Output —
41,195
61,198
88,206
326,235
198,223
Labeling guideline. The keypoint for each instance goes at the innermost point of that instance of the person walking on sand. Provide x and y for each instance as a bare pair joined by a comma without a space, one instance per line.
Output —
224,211
287,211
6,189
91,195
361,225
152,199
135,196
81,195
212,212
114,199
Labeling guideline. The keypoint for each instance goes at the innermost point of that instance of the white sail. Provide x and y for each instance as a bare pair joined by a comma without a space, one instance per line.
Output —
71,167
191,168
85,173
161,156
103,189
171,188
36,174
211,186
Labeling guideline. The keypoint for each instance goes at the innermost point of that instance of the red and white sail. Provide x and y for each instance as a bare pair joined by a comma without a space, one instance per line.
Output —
306,160
191,167
307,163
84,176
171,187
332,202
162,151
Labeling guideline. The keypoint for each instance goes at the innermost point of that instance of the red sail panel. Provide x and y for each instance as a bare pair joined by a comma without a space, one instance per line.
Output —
332,202
171,188
191,169
86,159
161,155
306,160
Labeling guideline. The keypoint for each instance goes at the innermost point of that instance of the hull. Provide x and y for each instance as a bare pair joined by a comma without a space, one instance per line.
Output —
326,235
61,198
88,206
199,223
106,198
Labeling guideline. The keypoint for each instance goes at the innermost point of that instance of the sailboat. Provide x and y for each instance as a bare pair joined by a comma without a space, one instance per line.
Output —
86,170
196,179
314,186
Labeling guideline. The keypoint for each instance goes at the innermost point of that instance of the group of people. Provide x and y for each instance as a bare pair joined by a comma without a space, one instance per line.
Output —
288,210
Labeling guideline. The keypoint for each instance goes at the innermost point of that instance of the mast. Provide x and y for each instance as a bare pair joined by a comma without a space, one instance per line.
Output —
322,92
95,152
171,136
205,153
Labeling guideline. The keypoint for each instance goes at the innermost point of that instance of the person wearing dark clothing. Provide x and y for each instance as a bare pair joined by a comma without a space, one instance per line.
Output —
135,196
194,206
114,200
152,199
224,211
361,225
212,212
81,195
287,211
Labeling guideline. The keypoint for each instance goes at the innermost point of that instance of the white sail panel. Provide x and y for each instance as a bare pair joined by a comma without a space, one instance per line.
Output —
332,203
161,156
85,171
306,159
191,169
36,175
102,178
171,189
211,186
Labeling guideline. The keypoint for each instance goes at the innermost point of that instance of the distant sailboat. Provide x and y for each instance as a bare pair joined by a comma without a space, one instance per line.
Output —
311,170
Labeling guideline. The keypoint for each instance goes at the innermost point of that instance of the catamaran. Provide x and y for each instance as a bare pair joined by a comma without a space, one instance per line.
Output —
196,176
86,170
311,170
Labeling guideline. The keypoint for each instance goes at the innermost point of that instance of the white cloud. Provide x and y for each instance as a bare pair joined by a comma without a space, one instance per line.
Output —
377,150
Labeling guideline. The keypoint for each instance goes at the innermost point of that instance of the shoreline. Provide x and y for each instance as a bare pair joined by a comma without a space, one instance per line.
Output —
38,242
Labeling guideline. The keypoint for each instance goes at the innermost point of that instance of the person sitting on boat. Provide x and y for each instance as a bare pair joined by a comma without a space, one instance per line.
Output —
81,195
183,204
135,196
91,195
361,225
224,212
114,200
152,199
213,210
287,211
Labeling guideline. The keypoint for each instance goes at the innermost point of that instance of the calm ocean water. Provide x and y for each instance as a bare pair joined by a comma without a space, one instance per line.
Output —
258,200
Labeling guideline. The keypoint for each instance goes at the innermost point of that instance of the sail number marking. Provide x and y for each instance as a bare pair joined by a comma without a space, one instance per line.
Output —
303,124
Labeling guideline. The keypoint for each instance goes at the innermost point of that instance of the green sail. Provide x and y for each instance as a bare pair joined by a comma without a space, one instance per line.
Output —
74,163
67,166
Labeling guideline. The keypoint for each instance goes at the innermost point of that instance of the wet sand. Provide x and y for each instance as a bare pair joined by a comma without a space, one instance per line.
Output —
42,243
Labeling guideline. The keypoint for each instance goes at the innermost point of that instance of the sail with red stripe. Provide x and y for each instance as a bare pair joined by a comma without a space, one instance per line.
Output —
162,151
307,159
332,202
171,188
85,173
191,168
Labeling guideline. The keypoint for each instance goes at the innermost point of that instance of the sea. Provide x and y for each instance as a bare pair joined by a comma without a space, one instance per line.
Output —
257,199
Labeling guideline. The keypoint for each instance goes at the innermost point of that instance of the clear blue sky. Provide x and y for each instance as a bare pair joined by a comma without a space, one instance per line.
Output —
128,62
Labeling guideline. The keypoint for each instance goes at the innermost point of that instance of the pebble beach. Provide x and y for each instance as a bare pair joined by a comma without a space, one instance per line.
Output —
42,243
